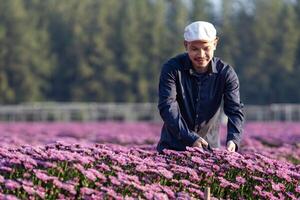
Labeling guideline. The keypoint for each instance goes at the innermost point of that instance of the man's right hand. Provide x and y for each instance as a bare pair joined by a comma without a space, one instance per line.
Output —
200,142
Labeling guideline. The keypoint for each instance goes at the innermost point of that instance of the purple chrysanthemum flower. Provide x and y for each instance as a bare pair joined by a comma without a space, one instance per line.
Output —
69,187
141,168
5,169
42,176
278,187
103,167
28,189
198,160
166,173
2,179
223,182
240,180
90,175
258,188
114,180
183,196
86,191
40,192
297,189
98,174
8,197
185,182
258,179
12,185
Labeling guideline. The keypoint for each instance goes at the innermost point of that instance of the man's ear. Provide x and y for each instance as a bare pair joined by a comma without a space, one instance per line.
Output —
185,43
216,43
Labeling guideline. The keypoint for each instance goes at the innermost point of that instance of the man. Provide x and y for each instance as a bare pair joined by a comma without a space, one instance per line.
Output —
192,88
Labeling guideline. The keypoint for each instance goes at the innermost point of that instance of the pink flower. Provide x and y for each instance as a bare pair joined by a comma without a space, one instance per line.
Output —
114,180
2,179
12,185
4,168
117,168
298,189
69,187
204,169
198,192
8,197
234,186
160,196
215,167
223,182
98,174
15,161
26,175
284,175
258,179
197,160
42,176
149,195
141,168
121,160
268,195
29,189
28,166
193,174
103,166
79,167
185,182
183,196
278,187
258,188
57,183
240,180
86,191
110,192
26,182
90,175
166,173
291,196
40,192
168,191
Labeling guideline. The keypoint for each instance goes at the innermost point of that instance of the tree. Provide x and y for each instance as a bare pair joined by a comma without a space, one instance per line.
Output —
257,47
25,62
153,38
176,19
97,71
228,42
201,10
284,56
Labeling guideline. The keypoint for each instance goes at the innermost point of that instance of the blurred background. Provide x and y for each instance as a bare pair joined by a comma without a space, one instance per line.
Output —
95,60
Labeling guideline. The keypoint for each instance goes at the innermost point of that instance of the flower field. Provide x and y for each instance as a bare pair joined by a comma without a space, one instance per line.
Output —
114,160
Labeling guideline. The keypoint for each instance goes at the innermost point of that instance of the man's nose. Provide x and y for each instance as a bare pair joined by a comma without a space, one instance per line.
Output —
201,53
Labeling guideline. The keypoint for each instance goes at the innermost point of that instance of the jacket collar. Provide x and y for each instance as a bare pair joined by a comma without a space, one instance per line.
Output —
212,68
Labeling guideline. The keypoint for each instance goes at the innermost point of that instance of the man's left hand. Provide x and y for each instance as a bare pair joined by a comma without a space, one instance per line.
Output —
231,146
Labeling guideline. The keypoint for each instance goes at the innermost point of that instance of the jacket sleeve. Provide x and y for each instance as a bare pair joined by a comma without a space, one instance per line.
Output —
233,107
169,109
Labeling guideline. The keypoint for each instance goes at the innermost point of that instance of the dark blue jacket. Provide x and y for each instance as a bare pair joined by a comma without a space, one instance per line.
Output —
190,103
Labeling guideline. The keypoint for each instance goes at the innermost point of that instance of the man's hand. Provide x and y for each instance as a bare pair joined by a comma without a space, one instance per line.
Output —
231,147
200,142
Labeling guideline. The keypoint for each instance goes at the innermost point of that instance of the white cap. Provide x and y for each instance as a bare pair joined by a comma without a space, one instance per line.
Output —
200,30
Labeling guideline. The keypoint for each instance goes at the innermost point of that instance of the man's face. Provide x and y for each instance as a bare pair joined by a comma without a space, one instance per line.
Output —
201,52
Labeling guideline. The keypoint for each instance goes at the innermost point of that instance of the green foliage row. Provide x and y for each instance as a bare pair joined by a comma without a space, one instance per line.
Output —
97,50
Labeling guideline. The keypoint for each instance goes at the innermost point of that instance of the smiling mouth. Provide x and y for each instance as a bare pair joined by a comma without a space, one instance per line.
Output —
200,60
